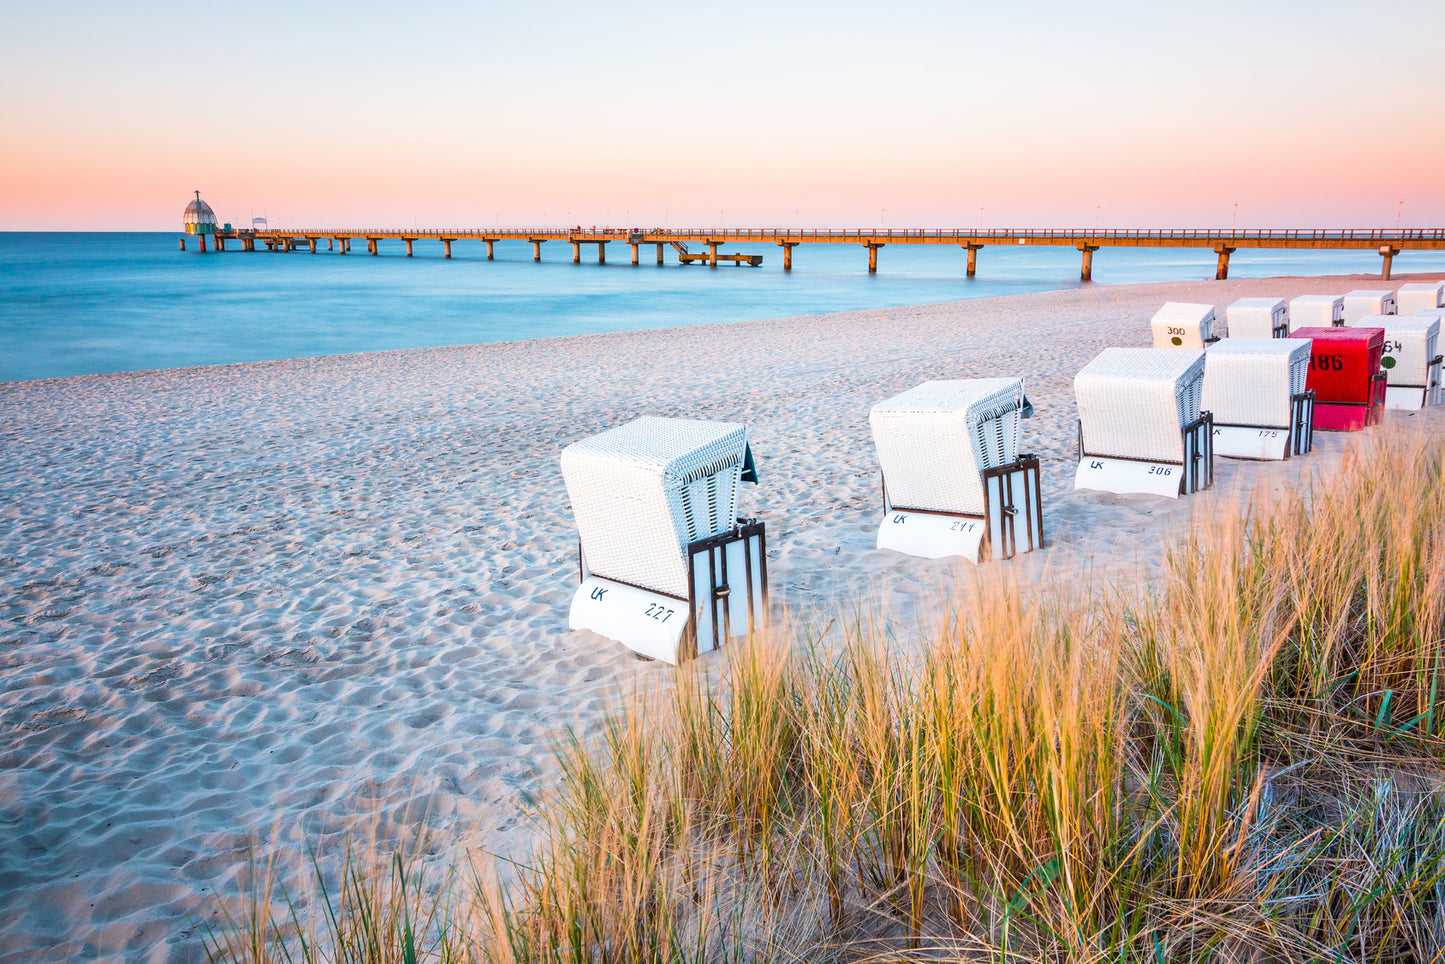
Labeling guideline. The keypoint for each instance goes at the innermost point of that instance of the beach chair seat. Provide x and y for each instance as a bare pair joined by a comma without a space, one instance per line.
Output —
1316,311
1258,318
954,483
1411,360
1141,428
1368,301
668,569
1411,298
1181,324
1346,376
1255,388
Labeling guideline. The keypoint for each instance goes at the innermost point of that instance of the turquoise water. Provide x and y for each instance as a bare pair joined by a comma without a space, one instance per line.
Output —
74,304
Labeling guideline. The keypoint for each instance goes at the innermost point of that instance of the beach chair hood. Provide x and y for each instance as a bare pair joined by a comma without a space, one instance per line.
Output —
934,440
642,492
1134,402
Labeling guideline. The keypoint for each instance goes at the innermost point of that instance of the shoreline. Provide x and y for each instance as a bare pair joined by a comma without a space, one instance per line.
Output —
89,337
280,598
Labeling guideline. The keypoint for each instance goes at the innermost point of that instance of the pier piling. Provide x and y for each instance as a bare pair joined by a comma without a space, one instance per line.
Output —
1086,270
1388,254
601,252
787,247
408,245
711,253
973,250
536,249
576,253
634,254
447,246
1221,270
872,247
659,254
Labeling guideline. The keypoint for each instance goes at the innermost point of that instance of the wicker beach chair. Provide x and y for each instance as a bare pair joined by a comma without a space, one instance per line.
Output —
954,483
1368,301
1426,294
668,569
1258,318
1411,361
1180,324
1316,311
1346,376
1255,389
1140,424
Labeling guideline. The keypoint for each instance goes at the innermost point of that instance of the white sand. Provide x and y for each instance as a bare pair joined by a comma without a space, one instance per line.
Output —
265,599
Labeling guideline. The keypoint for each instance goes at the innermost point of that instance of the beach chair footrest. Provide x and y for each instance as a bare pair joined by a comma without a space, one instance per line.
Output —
1126,476
1012,521
727,597
1270,442
933,535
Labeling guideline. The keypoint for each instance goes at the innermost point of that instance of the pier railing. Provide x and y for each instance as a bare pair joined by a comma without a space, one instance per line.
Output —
651,235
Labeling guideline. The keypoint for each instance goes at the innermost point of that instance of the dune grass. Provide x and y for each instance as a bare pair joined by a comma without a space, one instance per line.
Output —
1239,761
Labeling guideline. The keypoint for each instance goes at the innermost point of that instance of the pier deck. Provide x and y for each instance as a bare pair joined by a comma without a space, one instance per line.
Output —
1223,242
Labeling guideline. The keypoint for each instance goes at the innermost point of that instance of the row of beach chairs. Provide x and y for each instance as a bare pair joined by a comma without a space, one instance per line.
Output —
669,569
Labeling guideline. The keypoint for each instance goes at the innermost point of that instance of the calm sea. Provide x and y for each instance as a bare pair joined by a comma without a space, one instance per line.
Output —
73,304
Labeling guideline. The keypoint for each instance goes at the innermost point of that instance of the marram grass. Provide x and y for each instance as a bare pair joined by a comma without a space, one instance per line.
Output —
1241,762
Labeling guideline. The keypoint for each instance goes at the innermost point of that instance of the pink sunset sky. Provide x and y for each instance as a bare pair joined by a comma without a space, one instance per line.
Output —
1047,114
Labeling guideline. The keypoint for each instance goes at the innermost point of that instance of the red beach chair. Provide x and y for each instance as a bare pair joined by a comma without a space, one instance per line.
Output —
1346,376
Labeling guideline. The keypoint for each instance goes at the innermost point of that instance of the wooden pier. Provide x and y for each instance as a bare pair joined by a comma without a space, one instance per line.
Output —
1224,243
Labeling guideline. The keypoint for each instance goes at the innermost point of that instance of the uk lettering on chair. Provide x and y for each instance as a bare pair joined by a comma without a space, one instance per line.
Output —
1410,360
667,567
1346,376
954,482
1141,427
1256,390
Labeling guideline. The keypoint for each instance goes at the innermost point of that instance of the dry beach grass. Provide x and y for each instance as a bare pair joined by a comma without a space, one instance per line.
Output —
272,604
1236,761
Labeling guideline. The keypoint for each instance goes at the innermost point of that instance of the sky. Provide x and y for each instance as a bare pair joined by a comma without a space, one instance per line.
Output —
1017,113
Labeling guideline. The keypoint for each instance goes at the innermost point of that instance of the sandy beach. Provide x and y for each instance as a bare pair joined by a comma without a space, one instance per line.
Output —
267,602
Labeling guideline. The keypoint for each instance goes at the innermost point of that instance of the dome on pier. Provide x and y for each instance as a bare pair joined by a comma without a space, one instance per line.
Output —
199,218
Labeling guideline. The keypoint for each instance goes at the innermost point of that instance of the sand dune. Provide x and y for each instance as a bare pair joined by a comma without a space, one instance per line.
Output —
264,600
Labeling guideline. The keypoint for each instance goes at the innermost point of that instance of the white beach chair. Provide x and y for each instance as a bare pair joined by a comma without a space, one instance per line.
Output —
1255,390
1140,424
667,567
1426,294
1258,318
1180,324
1316,311
1411,361
954,483
1368,301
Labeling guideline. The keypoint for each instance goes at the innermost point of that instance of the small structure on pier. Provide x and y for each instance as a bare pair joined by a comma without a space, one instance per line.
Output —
199,220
